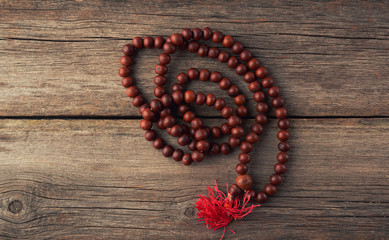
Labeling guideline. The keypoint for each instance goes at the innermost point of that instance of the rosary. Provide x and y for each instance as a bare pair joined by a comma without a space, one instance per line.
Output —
217,209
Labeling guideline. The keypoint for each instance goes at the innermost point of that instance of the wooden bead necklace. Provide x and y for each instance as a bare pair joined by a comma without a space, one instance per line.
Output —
217,209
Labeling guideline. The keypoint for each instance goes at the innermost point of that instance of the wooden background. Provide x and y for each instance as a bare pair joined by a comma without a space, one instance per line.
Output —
74,163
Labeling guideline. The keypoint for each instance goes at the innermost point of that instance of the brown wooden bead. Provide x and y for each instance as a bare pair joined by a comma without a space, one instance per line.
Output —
254,86
192,145
253,64
262,107
128,49
196,123
124,72
177,97
164,58
228,41
143,107
156,105
148,114
150,135
244,181
186,34
186,159
216,132
267,82
284,146
240,100
237,132
203,145
189,96
225,148
217,37
261,118
193,73
183,108
211,99
214,149
233,142
234,121
277,102
197,34
166,100
242,111
201,134
213,52
220,104
146,124
169,48
193,46
176,130
283,135
275,179
165,112
158,143
215,77
197,156
237,47
241,69
235,191
244,158
274,91
207,33
249,77
227,111
138,101
246,147
270,189
245,55
160,69
200,98
183,140
281,113
241,168
252,137
203,50
159,42
148,42
283,124
233,91
177,155
132,91
261,72
137,42
223,57
261,197
177,39
259,96
280,168
225,84
257,128
189,116
204,75
160,80
282,157
232,62
126,60
169,121
127,82
226,130
167,151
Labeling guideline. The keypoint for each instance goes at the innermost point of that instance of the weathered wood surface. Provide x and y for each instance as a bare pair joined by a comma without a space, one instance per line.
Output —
81,178
61,58
67,178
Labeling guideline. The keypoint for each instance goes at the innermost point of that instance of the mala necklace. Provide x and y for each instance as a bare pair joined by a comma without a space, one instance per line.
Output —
217,209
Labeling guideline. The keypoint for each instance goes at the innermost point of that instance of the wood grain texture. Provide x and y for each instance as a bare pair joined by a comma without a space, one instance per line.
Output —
74,179
61,57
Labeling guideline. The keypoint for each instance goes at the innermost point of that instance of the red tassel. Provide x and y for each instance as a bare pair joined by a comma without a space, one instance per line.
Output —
218,210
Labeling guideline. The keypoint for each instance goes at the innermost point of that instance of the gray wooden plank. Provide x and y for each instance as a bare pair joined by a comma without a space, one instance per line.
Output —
77,179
